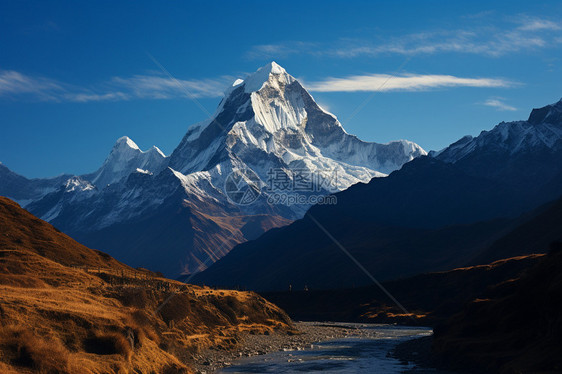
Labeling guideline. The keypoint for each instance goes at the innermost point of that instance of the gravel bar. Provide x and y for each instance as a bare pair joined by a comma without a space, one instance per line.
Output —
211,360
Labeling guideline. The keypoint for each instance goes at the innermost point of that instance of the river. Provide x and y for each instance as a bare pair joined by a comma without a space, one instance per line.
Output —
347,355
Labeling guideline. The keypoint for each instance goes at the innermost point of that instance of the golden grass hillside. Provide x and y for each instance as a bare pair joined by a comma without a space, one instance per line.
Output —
65,308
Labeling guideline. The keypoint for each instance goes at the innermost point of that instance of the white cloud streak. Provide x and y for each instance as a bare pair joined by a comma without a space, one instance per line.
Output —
405,82
499,104
16,85
537,24
160,87
523,34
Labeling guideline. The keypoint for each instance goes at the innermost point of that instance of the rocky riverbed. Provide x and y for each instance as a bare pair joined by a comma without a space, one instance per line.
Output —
210,361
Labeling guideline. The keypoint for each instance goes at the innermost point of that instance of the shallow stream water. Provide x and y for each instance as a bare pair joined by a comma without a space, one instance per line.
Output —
347,355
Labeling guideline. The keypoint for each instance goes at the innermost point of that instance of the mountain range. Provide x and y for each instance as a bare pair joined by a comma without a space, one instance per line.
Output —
457,235
436,213
180,213
434,297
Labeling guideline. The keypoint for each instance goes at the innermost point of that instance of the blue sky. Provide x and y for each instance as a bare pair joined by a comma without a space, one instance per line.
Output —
75,76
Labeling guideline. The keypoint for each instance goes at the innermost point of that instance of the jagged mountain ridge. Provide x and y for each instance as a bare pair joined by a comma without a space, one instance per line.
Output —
542,129
435,213
26,190
271,113
126,158
267,121
513,152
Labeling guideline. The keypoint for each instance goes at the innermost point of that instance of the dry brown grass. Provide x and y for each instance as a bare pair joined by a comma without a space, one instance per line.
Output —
23,349
96,333
20,229
56,318
112,343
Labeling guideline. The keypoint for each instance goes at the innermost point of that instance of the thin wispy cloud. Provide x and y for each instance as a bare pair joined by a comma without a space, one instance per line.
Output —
404,82
16,85
499,104
88,97
523,34
160,87
536,24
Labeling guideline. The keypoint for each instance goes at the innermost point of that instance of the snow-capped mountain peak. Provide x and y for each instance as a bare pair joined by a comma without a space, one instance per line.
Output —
125,142
269,121
125,146
271,74
543,129
125,158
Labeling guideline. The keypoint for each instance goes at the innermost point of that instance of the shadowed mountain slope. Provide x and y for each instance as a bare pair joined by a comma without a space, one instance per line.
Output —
513,328
435,213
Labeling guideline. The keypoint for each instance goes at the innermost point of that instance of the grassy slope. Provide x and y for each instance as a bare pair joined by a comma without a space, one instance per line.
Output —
430,298
513,328
58,318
